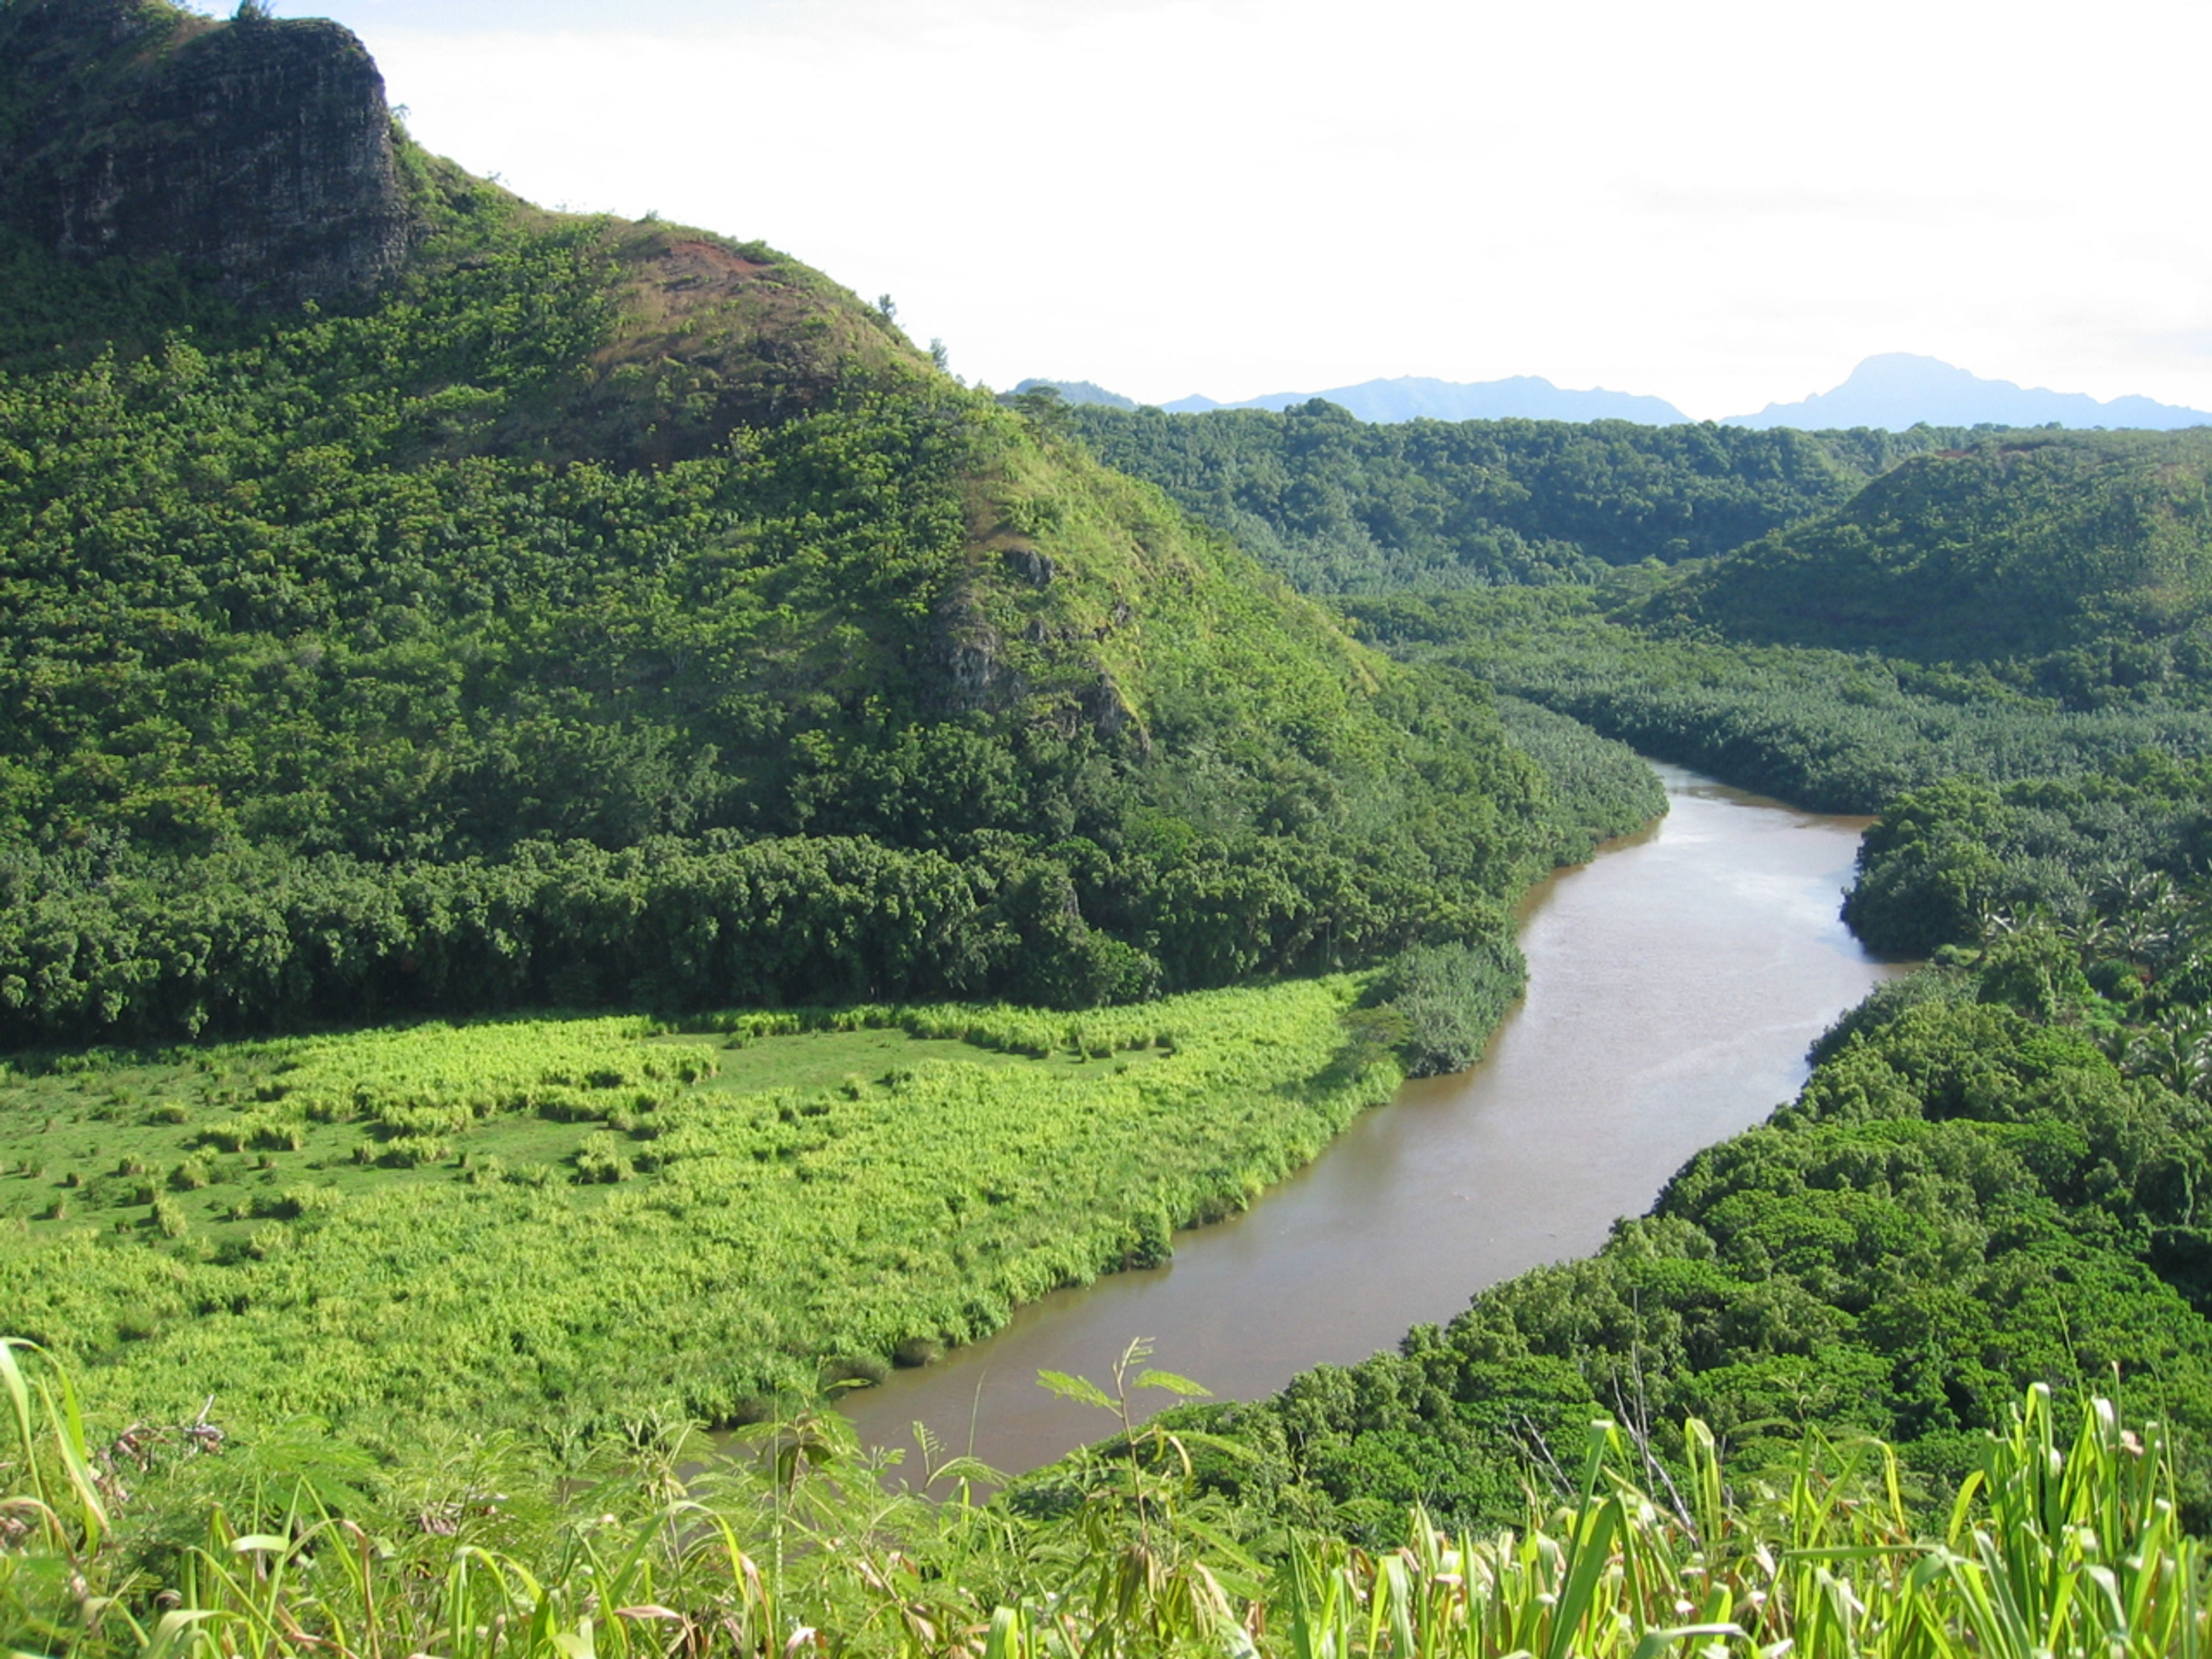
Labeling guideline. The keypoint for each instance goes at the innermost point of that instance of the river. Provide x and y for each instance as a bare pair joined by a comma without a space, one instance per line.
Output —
1674,983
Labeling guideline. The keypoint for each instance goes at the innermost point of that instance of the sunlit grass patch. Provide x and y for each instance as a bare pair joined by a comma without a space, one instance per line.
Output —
553,1220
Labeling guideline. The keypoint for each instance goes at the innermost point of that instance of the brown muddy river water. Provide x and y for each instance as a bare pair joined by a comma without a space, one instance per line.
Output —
1675,982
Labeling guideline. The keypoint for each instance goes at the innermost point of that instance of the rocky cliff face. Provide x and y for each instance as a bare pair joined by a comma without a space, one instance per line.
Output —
258,150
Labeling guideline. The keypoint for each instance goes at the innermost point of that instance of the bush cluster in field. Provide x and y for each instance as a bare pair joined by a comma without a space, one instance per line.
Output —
561,1223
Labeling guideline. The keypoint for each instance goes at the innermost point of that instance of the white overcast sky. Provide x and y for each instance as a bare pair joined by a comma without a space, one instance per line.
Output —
1724,203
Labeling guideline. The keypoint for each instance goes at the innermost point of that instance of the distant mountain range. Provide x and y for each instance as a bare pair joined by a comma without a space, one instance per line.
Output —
1898,390
1523,397
1079,391
1895,390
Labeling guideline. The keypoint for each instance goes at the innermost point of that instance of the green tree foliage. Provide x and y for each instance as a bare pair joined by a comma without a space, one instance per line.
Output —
157,950
612,614
1601,788
1450,998
1954,862
1836,732
2083,558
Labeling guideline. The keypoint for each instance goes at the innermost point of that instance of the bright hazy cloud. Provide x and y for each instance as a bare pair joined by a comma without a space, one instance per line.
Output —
1721,202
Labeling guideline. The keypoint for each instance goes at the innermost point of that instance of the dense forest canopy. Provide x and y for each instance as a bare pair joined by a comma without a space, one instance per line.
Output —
1838,731
2091,552
2069,566
1343,507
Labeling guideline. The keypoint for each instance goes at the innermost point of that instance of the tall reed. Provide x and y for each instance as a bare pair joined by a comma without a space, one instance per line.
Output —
791,1543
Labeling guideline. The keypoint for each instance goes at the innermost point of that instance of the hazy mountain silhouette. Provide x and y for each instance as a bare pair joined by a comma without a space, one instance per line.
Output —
1523,397
1079,391
1898,390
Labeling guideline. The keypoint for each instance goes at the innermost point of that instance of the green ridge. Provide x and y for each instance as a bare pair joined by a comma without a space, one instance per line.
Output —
554,625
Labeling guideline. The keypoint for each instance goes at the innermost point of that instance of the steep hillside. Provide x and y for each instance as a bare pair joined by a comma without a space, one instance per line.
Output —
597,612
2098,545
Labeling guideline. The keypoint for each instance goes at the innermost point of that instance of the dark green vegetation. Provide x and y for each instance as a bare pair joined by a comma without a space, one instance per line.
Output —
2106,853
1341,507
1600,787
1444,1000
1853,614
1833,731
560,1225
2083,561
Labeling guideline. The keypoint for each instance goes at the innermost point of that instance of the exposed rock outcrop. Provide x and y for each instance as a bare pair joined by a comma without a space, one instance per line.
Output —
259,150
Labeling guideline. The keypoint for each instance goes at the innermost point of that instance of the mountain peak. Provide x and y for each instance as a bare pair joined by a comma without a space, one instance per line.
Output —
1897,390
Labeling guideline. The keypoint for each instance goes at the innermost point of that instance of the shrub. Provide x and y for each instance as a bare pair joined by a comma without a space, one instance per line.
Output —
409,1152
563,1104
423,1120
601,1159
1451,998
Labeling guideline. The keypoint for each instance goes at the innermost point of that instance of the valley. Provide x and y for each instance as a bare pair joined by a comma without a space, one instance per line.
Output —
613,886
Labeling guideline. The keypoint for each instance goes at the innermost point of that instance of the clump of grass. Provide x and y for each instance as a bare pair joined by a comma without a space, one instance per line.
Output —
301,1203
601,1158
412,1151
439,1120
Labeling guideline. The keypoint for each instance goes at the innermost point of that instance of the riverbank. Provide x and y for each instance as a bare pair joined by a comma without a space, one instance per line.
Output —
1676,983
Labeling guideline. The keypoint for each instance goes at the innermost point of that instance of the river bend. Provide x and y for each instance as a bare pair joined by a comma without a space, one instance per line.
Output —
1674,983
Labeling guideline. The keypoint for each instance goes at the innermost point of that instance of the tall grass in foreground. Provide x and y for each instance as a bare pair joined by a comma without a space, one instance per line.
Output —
791,1545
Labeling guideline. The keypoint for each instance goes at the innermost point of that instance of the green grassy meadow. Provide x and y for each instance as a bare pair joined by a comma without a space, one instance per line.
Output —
557,1224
